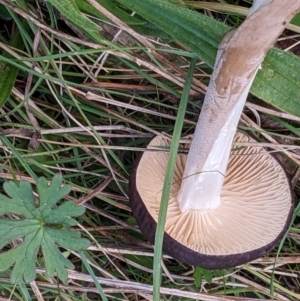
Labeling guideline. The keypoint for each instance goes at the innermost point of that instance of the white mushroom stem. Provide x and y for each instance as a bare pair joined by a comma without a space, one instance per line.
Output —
239,57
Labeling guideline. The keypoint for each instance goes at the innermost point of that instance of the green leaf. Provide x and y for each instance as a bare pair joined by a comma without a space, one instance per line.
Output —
110,5
54,260
198,276
278,83
70,10
296,19
140,25
219,273
20,200
8,72
150,29
4,13
196,31
207,275
42,225
59,214
49,195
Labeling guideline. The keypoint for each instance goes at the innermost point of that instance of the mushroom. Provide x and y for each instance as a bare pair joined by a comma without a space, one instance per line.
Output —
227,206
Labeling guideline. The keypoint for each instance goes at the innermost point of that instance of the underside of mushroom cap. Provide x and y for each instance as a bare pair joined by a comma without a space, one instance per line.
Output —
255,210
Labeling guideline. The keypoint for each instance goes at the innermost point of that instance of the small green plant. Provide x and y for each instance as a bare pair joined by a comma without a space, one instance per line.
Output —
200,274
41,225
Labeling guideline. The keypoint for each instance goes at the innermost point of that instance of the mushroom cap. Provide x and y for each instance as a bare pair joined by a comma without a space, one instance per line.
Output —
255,211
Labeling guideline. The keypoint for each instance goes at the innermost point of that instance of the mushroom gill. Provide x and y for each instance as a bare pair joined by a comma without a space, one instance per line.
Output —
256,201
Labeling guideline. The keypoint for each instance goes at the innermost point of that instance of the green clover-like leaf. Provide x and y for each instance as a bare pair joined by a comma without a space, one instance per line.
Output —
42,226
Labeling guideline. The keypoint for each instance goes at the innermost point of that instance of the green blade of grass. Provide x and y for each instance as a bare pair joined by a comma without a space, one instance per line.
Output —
168,183
140,25
267,280
109,5
199,33
69,9
8,72
18,156
24,291
96,282
150,78
4,14
272,288
278,83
